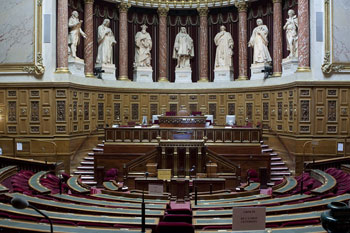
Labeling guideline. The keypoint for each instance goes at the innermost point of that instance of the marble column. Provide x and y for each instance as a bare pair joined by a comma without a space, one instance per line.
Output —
88,43
163,52
62,37
277,38
123,42
242,41
203,44
303,36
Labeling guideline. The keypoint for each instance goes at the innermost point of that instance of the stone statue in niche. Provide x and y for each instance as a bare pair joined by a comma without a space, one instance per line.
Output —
291,28
259,42
74,25
143,42
105,40
224,48
183,49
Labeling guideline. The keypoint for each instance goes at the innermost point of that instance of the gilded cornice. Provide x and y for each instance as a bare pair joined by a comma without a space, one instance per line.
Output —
203,11
242,6
123,7
163,11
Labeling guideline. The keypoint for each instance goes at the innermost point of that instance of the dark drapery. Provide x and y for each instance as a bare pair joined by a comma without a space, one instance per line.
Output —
136,18
229,18
176,20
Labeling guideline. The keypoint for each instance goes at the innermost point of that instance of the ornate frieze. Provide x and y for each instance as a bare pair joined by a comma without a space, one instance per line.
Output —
61,110
12,93
34,111
34,94
305,110
12,111
35,129
332,110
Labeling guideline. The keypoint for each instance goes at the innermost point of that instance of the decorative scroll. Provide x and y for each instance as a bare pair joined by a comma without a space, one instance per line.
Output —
100,110
12,112
34,111
332,110
61,110
305,110
279,111
86,111
134,111
249,111
231,109
75,110
265,111
116,111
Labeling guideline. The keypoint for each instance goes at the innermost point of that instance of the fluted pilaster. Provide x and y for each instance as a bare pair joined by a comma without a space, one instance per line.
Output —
62,37
277,38
303,36
88,43
163,52
123,42
203,44
242,40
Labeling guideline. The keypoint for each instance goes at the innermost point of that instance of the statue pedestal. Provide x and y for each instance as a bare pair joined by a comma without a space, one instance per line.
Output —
255,71
76,66
109,73
183,75
289,66
223,74
143,74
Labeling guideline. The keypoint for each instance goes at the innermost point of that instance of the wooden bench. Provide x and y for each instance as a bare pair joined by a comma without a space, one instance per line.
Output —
277,209
19,225
137,199
328,181
34,183
236,199
252,203
290,185
5,173
107,203
88,209
74,184
252,186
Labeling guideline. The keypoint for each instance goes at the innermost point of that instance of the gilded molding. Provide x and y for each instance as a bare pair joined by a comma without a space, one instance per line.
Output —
241,6
38,68
327,67
124,78
203,11
163,11
123,7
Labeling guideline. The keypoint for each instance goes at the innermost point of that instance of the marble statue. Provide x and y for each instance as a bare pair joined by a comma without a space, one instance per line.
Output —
224,50
74,25
291,28
183,49
259,42
105,40
143,48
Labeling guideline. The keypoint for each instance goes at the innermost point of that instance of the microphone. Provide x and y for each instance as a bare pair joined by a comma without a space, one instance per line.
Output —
20,203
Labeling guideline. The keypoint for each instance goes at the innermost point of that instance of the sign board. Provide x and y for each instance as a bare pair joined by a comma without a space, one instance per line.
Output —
248,218
19,146
155,189
164,174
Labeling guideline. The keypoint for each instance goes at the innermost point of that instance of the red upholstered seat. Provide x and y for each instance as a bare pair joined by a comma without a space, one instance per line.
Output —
178,218
111,174
175,227
179,211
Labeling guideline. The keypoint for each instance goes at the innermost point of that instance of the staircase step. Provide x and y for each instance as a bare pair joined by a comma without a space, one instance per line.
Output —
83,172
100,145
280,173
280,163
89,158
91,153
87,177
266,150
85,168
276,178
276,159
273,154
264,146
88,182
87,162
279,168
98,149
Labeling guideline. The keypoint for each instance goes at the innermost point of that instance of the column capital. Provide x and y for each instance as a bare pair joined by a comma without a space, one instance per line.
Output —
241,6
123,7
203,11
163,11
276,1
89,1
